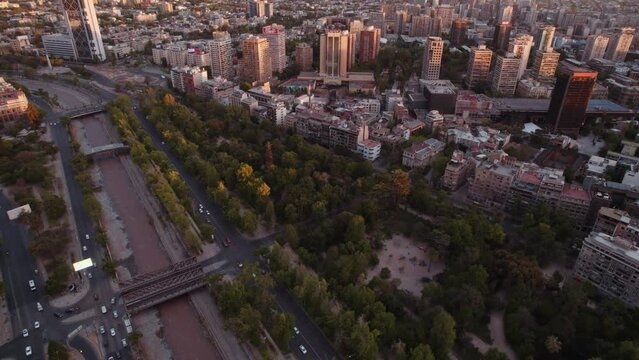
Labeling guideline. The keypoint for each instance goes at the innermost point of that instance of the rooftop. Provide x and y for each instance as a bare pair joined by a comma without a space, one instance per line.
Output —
617,245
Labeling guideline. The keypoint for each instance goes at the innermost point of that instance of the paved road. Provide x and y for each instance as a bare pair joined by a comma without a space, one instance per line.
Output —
18,268
241,250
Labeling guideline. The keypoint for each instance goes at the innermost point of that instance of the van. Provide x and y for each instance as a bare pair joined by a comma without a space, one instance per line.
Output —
103,309
32,285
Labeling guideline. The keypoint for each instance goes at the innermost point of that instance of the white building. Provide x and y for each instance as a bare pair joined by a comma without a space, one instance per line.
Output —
432,60
221,52
59,45
276,37
369,149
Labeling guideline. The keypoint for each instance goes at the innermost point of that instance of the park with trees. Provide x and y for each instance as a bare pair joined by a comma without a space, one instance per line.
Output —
334,212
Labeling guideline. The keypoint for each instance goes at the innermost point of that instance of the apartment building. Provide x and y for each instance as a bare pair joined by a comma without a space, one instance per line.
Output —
432,59
187,79
478,65
504,79
221,53
218,89
13,102
257,65
422,154
617,222
276,36
619,45
304,56
458,169
611,264
545,65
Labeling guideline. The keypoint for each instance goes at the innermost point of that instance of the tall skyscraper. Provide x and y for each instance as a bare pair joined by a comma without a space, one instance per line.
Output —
432,60
521,46
401,19
276,37
221,52
458,32
260,8
336,53
84,29
256,65
478,65
545,65
445,12
505,13
369,44
543,40
501,37
355,27
304,56
595,47
620,44
420,26
504,79
570,98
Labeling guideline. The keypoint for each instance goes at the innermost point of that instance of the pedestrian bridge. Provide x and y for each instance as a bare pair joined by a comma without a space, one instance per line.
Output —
107,151
84,110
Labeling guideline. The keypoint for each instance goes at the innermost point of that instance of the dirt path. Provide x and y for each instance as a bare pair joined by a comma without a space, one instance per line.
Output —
498,335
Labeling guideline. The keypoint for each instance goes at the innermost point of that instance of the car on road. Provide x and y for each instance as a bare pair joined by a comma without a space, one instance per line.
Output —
36,324
303,349
84,248
208,213
57,315
240,265
103,309
112,301
124,342
102,330
39,306
32,285
111,358
28,351
115,314
112,331
86,236
296,330
25,333
90,276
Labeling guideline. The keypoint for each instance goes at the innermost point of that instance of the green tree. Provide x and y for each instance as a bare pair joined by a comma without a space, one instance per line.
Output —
290,235
363,341
57,351
442,335
421,352
282,329
269,213
249,222
494,354
54,206
247,325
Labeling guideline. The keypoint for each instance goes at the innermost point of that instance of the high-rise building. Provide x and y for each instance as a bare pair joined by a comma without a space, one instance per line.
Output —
544,38
187,79
337,53
458,32
420,26
595,47
504,79
276,38
445,13
501,37
611,264
478,65
256,65
369,44
260,8
401,19
432,60
620,44
378,20
304,56
570,98
221,53
545,65
82,22
505,13
521,46
355,27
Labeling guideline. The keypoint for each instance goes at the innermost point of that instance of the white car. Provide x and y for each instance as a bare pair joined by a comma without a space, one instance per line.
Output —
84,248
102,330
36,324
296,330
115,314
32,285
25,333
124,342
112,331
39,306
28,351
86,236
303,349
